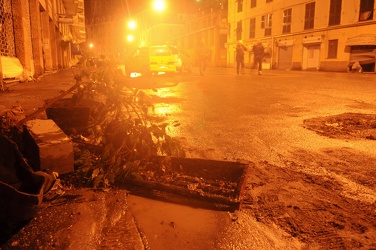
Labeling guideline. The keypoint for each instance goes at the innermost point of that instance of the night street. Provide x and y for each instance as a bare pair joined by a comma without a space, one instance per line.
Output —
305,190
188,124
308,138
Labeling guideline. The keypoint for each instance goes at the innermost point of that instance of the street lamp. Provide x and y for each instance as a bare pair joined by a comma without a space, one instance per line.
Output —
132,24
159,5
130,38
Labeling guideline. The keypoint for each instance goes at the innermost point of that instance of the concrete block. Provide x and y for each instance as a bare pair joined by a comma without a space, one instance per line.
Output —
47,147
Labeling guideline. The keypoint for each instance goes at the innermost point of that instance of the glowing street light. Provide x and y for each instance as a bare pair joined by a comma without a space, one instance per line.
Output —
132,24
159,5
130,38
91,45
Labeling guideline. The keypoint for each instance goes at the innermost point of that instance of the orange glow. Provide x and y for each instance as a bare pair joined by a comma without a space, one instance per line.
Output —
130,38
132,24
166,110
159,5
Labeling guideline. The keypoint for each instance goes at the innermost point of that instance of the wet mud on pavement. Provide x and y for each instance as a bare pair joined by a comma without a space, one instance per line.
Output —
325,199
80,219
316,190
174,226
322,195
317,197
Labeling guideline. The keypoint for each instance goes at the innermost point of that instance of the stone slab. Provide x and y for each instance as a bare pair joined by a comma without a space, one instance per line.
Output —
47,147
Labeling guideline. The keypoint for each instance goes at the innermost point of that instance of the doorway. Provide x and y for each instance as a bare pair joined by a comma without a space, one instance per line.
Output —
311,57
285,57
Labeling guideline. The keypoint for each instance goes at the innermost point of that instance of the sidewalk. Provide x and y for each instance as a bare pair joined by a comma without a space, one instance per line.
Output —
81,218
32,95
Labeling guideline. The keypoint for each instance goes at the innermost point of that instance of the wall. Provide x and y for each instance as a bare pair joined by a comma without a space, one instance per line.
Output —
299,38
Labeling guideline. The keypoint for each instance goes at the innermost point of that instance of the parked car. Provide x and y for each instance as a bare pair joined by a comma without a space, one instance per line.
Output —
177,57
151,60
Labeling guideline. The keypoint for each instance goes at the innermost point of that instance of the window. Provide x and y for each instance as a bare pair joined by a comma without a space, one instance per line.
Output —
253,3
332,48
287,21
335,12
366,10
309,19
239,30
240,5
252,28
266,23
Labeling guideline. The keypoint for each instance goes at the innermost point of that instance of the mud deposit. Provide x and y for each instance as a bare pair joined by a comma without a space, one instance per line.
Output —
344,126
325,199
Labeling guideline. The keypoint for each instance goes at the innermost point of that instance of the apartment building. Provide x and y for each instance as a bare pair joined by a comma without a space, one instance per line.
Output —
37,36
327,35
106,27
208,23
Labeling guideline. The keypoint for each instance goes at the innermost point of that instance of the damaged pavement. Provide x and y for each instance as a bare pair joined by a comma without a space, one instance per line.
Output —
314,157
41,212
37,211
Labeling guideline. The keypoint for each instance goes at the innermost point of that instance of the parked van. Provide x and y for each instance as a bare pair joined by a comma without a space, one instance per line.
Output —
150,61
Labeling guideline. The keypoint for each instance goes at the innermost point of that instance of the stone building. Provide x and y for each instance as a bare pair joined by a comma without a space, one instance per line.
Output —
327,35
38,36
105,27
207,23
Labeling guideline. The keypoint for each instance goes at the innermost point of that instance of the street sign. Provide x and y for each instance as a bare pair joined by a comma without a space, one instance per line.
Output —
65,19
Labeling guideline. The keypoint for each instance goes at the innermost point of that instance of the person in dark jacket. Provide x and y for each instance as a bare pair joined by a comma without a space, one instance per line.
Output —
258,51
240,49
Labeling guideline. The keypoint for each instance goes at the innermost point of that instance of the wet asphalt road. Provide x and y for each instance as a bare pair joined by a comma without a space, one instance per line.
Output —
251,118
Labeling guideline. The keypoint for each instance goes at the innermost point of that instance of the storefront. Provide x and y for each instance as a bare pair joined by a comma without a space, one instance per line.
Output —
285,49
363,50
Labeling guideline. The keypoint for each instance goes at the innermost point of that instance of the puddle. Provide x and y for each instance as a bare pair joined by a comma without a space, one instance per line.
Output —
173,226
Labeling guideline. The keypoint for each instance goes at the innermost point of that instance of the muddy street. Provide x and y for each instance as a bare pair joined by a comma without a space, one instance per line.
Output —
311,137
309,141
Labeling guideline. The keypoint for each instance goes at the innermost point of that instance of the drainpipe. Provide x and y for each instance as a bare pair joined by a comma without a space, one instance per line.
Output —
272,55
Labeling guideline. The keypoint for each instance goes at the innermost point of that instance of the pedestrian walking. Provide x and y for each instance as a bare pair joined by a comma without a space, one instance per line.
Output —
240,49
258,51
202,55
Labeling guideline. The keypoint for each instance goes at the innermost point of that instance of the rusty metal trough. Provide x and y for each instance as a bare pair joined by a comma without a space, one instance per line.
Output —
198,182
